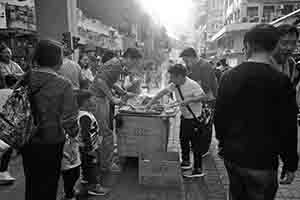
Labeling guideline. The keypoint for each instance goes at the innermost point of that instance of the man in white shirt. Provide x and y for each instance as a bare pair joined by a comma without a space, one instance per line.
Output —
189,95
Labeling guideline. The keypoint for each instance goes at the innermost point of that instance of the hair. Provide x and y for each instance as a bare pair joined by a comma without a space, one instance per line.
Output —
108,55
189,52
285,29
48,53
3,46
82,96
132,53
178,69
262,37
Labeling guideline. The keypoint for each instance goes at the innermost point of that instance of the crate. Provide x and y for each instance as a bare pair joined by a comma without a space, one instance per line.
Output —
160,169
142,134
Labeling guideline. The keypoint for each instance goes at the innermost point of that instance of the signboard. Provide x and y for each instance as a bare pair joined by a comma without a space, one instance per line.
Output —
3,24
22,17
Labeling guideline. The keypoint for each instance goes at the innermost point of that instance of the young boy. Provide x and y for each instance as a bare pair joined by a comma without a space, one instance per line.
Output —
189,94
89,140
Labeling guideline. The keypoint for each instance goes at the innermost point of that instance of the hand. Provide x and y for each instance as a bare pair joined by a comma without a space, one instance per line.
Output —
117,101
287,177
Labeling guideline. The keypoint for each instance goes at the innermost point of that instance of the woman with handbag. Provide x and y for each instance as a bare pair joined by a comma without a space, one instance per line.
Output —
55,111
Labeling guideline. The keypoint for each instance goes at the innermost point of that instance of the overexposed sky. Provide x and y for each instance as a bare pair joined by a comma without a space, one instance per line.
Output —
175,15
16,2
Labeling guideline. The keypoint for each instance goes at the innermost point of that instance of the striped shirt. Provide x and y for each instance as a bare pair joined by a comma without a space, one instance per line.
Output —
11,68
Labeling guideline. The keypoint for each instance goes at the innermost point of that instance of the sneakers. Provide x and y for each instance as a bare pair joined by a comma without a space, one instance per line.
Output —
6,178
98,190
196,173
186,165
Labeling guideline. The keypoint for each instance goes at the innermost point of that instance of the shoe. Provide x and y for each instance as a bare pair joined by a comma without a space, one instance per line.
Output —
98,190
196,173
205,154
186,165
6,178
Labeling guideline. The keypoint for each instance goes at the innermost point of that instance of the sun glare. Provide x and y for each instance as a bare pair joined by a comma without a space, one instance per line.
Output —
170,13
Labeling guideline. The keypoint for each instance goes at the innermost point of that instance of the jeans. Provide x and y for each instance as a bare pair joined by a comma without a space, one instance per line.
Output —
89,166
42,168
251,184
189,137
70,177
5,160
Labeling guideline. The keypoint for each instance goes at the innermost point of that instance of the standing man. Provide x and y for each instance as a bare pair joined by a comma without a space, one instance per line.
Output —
189,94
256,120
202,72
282,58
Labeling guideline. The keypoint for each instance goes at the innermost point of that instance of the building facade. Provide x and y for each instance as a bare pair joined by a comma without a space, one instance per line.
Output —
239,16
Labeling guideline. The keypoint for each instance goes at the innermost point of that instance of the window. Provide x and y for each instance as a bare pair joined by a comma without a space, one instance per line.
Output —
252,11
268,13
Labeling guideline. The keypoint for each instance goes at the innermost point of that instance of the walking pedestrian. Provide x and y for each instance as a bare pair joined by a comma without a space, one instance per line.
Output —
256,120
202,72
189,95
55,112
87,76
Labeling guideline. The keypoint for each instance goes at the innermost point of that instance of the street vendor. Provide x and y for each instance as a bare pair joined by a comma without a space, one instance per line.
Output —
189,95
102,87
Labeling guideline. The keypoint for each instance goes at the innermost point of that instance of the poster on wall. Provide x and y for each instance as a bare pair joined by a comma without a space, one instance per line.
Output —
3,24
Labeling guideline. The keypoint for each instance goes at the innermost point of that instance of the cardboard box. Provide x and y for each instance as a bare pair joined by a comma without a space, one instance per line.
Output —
160,169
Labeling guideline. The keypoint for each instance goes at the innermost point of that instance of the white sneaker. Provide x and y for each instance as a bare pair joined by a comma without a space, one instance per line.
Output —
6,178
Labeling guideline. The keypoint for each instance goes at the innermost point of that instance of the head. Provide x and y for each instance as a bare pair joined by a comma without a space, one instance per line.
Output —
108,55
178,74
223,62
132,58
5,53
85,100
189,56
84,61
261,39
48,53
289,36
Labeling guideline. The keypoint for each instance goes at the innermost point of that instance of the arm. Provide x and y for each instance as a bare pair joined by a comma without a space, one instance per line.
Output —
85,124
69,112
213,84
159,95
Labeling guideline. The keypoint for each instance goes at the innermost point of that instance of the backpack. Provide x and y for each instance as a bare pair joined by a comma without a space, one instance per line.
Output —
17,122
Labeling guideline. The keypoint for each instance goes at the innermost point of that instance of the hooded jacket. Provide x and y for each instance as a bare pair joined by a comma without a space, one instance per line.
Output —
55,107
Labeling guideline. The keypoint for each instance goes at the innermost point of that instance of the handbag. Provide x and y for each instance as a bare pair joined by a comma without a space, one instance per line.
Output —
199,122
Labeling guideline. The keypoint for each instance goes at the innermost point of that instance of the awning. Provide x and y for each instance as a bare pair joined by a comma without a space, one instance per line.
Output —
287,18
232,28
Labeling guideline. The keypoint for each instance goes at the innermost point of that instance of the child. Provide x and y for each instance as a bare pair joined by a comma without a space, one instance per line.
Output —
89,141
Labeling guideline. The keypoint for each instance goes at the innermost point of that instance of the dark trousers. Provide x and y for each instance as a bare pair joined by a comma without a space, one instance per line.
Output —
89,166
5,160
190,137
251,184
70,177
42,168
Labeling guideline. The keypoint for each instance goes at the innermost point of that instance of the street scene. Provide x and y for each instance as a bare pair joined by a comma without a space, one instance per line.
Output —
149,100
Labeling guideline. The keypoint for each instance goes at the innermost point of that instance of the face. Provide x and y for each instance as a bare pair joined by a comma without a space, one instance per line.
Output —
6,55
84,61
287,44
176,79
189,61
247,51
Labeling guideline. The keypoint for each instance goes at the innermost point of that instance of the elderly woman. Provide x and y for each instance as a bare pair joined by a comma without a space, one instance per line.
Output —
56,113
102,88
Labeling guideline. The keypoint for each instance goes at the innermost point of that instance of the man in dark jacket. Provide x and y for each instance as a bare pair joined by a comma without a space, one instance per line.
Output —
256,120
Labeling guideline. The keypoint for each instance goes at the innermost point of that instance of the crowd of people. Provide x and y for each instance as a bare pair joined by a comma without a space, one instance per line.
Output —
253,107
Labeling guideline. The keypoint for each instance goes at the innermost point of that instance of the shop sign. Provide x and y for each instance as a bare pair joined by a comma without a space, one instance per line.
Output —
3,24
22,17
